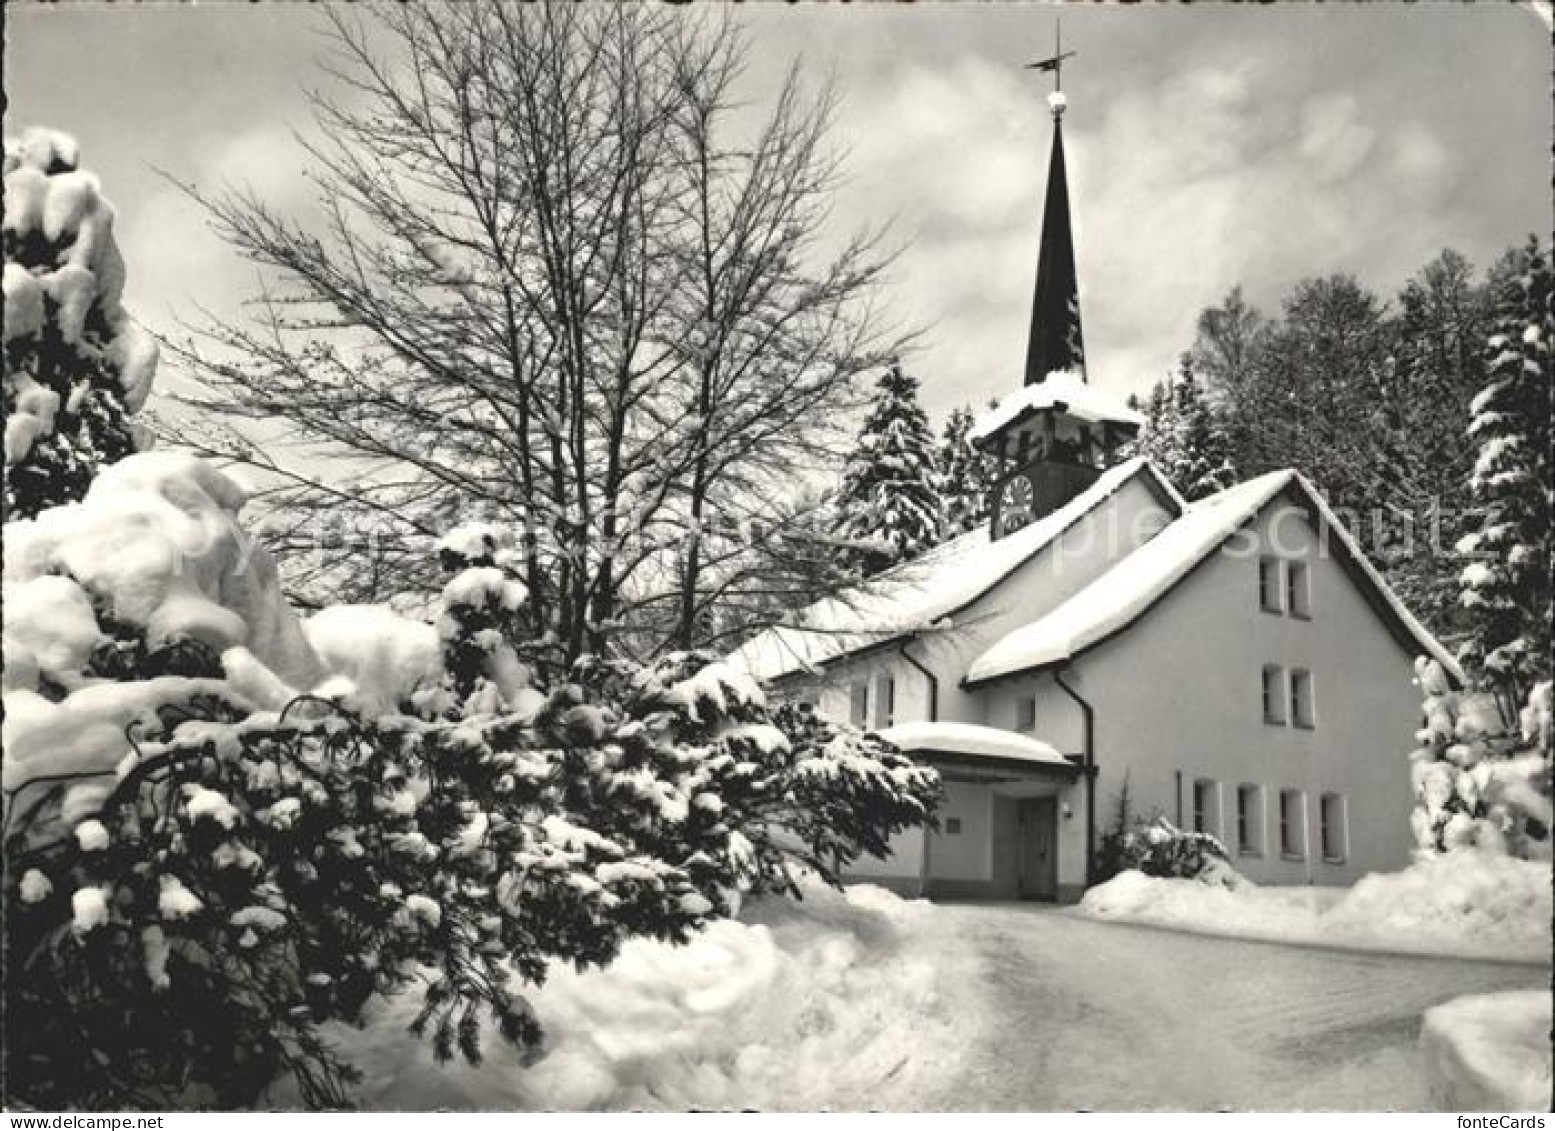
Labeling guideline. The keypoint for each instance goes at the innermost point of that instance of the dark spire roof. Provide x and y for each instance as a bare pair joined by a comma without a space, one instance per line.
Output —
1056,341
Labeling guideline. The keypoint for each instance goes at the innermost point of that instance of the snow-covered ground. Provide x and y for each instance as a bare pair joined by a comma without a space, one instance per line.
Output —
1468,904
833,1002
1489,1052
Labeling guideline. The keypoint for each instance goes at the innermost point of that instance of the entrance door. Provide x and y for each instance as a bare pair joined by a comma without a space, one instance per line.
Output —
1039,848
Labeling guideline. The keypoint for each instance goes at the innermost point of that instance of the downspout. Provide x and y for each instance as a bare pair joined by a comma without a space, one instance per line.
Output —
933,683
1090,773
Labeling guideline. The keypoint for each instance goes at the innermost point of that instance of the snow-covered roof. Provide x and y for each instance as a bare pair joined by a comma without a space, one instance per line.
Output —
974,740
1121,595
920,594
1062,390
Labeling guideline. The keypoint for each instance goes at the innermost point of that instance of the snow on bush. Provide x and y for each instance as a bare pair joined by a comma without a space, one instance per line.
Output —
1476,785
1471,904
256,862
123,606
1159,848
1489,1052
76,364
796,1006
388,657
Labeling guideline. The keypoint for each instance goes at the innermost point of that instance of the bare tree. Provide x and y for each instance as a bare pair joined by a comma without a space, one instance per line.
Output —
554,288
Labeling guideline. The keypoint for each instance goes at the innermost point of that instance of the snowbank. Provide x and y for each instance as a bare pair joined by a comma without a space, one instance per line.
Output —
795,1007
1489,1052
1468,904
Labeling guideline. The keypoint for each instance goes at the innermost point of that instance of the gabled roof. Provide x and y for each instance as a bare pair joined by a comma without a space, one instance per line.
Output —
1128,590
1066,391
920,594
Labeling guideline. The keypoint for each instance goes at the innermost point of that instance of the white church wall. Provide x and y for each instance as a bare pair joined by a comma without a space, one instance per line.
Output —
901,863
965,855
1181,691
1113,529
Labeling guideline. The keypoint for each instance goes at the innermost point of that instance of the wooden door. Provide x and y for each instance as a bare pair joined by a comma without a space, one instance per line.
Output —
1039,848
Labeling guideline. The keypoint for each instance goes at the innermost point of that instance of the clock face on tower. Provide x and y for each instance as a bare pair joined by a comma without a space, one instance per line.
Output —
1015,500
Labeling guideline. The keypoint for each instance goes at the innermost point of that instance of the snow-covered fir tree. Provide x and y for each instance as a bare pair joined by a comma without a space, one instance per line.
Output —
1201,463
76,365
965,475
889,500
1478,783
225,828
1483,769
1506,587
1184,435
1439,366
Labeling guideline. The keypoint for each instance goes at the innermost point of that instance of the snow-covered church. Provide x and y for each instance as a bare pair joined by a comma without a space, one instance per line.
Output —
1236,664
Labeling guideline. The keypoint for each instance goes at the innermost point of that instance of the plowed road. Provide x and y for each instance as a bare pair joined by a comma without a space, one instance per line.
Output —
1102,1016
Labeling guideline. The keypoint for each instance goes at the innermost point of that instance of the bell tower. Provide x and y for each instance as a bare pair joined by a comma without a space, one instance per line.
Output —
1054,437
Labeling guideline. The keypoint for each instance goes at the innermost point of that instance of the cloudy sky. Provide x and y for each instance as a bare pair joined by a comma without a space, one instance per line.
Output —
1208,146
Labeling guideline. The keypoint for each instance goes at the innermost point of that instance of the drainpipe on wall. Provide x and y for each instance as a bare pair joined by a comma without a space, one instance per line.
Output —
933,683
1090,774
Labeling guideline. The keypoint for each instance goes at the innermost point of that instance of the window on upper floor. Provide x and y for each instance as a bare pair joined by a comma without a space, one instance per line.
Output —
1293,833
952,826
1269,585
885,701
1026,713
1298,594
1274,694
1249,820
1302,710
1332,827
858,703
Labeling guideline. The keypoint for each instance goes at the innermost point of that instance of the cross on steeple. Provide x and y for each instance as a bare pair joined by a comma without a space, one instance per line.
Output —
1055,62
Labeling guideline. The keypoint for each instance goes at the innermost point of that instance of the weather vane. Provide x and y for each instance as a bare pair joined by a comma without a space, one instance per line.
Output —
1055,63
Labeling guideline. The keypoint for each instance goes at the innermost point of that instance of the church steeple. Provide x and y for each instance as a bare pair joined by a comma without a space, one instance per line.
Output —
1056,341
1053,438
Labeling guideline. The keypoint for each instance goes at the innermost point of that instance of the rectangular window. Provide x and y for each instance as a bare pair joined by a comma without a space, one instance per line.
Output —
1298,596
1293,834
1274,694
1331,825
1249,820
858,703
885,702
1026,713
1204,807
1269,585
1301,709
952,826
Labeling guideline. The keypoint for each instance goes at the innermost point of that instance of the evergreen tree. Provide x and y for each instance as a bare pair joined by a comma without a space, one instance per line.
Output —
76,366
889,501
1482,772
1185,436
965,476
1439,366
1478,782
1202,454
1506,589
